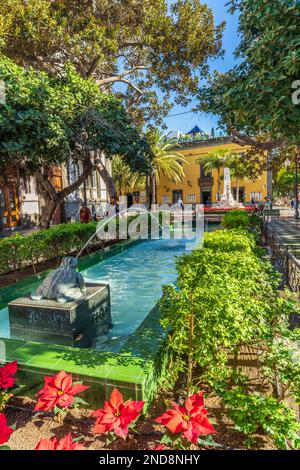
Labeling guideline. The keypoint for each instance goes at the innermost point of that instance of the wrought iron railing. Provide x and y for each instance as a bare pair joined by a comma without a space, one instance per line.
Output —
284,261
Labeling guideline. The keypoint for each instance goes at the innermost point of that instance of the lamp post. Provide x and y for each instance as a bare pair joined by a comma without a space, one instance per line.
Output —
297,215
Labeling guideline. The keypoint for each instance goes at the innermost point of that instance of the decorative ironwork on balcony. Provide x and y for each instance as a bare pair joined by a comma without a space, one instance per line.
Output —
206,181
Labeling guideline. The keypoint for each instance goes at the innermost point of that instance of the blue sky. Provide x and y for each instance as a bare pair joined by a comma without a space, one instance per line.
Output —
230,41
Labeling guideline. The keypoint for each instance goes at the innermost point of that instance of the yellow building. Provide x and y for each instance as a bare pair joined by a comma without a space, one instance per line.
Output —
199,188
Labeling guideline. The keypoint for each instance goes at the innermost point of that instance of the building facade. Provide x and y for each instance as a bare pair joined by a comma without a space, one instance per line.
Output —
201,188
20,204
92,192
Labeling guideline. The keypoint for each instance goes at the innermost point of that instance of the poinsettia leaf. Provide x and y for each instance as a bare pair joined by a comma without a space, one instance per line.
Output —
79,401
5,448
76,439
56,410
78,382
60,411
208,442
14,426
111,437
133,429
166,439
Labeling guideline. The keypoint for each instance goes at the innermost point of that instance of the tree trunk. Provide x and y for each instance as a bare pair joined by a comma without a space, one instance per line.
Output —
154,195
50,197
47,213
237,191
269,177
107,178
53,198
147,192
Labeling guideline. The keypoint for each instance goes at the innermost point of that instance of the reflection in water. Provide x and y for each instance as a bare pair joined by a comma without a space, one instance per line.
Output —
136,277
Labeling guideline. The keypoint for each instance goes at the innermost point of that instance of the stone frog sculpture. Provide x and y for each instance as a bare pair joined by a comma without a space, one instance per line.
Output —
64,284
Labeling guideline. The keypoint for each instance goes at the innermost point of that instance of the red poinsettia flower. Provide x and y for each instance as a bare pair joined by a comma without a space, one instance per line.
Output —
159,447
5,431
7,374
191,419
116,415
58,391
66,443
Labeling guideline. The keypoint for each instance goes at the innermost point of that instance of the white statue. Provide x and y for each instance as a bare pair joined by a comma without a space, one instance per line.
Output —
227,198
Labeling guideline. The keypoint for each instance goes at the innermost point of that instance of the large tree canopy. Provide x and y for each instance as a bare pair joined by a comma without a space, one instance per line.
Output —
146,45
46,120
255,98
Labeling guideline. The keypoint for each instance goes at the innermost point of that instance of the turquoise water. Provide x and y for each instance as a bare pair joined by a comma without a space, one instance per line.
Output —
136,277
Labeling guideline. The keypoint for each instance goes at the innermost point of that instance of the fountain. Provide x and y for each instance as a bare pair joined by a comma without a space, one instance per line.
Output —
63,310
110,219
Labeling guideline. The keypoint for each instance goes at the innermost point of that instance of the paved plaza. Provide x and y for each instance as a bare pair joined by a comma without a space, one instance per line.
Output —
287,231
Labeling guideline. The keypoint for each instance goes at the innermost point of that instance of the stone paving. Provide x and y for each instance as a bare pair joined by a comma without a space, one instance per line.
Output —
287,231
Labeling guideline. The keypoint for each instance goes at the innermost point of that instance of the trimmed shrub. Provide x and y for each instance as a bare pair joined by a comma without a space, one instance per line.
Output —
226,301
18,251
236,219
230,240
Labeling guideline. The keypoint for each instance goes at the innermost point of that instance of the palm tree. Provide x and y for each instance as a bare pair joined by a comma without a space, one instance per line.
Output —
237,170
125,179
215,161
166,161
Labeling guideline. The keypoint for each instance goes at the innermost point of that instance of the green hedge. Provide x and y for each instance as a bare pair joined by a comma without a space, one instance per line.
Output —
19,251
226,302
236,219
233,240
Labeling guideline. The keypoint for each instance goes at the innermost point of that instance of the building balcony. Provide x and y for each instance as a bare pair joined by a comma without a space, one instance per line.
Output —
206,181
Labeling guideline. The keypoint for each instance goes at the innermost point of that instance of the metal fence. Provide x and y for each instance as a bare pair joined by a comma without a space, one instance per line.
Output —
286,263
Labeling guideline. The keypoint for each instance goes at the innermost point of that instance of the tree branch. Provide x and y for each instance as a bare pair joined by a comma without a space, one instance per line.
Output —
125,45
121,78
111,80
93,66
45,186
88,167
265,146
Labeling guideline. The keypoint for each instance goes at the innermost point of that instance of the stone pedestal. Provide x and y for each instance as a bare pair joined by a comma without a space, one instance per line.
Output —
74,323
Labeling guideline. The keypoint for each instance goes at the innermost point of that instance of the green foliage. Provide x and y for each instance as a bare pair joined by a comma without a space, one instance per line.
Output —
227,299
254,221
284,184
167,160
4,399
236,219
47,117
227,241
144,44
215,160
253,413
126,180
255,98
282,358
19,251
